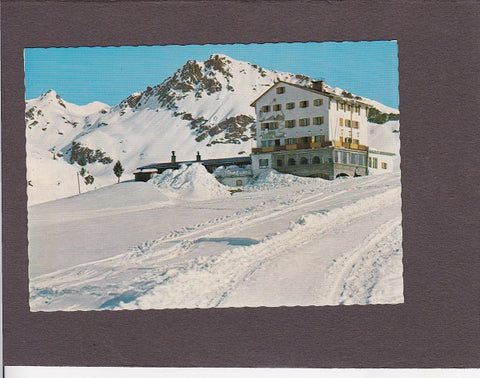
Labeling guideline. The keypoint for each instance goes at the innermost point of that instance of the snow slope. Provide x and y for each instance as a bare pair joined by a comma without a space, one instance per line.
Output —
284,241
52,123
385,137
203,106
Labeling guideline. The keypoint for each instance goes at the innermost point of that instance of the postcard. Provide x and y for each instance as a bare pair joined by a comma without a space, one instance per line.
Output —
206,176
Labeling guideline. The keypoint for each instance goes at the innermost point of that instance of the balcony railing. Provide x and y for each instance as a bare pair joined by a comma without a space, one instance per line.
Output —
352,146
295,146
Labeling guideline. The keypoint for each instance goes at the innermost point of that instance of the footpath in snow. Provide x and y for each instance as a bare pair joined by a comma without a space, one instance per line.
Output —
182,241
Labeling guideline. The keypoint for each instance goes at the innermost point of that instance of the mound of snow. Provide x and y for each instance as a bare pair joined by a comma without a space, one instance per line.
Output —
192,183
272,179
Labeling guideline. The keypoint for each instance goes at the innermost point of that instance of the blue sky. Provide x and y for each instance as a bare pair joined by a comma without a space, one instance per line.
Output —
109,74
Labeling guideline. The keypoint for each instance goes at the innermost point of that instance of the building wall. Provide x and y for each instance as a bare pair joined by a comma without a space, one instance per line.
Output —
143,176
235,181
341,117
338,125
380,163
326,162
260,158
295,95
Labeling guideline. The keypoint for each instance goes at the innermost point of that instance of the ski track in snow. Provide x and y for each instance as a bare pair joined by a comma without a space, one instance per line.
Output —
356,274
192,267
256,214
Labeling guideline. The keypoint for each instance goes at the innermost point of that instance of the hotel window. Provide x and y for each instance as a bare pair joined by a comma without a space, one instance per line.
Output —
290,141
353,159
338,156
361,160
348,123
316,160
355,141
279,162
317,102
303,161
291,161
345,158
290,105
269,126
280,90
341,121
357,109
318,120
266,108
373,162
239,182
384,165
349,108
263,163
304,104
290,123
277,107
318,138
304,140
304,121
356,124
342,106
268,143
348,140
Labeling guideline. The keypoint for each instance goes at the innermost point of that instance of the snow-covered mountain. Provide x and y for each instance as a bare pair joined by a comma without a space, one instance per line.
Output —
203,106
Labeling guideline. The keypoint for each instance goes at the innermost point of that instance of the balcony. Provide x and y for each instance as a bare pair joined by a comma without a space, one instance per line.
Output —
352,146
259,150
298,146
303,146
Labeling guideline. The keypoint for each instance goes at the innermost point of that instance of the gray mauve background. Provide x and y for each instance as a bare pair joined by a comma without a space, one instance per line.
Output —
438,326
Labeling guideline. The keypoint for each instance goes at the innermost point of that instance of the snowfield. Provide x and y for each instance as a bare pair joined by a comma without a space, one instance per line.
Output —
182,241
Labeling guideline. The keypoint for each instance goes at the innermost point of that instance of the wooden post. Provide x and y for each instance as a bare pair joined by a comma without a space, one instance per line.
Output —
78,182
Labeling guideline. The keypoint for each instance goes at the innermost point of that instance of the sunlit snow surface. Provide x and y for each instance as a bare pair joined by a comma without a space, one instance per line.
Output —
182,241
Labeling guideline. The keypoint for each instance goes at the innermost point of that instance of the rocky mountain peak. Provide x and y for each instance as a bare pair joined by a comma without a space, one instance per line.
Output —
51,96
219,63
190,73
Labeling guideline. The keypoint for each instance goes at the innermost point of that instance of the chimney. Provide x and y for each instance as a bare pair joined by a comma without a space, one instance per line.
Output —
199,158
318,85
174,158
